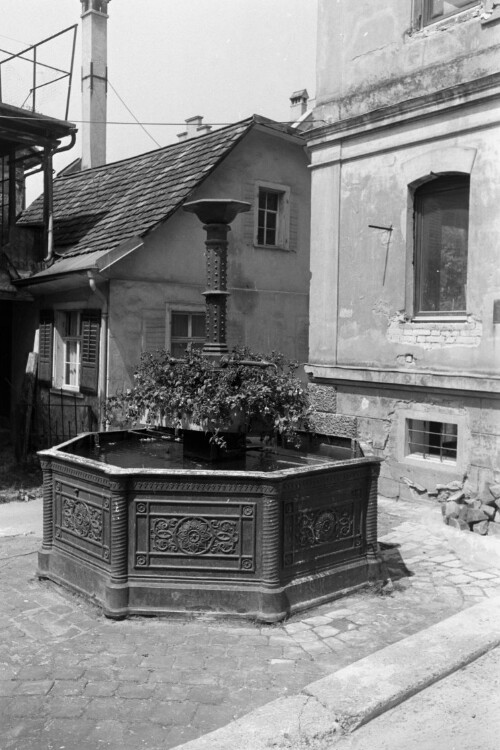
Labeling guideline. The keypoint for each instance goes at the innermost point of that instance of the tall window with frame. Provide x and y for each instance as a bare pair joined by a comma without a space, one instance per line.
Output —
71,339
268,217
435,10
187,331
441,246
272,216
69,342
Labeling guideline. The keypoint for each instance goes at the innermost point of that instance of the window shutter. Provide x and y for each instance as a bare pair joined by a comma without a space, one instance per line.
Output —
154,330
91,328
45,346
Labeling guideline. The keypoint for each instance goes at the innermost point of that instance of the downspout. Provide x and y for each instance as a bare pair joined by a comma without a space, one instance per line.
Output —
48,195
48,204
103,374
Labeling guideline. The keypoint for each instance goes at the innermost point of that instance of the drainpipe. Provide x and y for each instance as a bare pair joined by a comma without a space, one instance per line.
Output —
48,204
48,195
103,375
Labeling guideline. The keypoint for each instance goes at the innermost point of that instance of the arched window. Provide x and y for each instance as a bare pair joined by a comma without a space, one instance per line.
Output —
441,241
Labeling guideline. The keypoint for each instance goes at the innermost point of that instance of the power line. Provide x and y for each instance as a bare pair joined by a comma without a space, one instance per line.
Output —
11,39
135,118
150,124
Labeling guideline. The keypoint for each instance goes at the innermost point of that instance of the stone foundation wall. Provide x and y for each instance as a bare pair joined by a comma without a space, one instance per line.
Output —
325,420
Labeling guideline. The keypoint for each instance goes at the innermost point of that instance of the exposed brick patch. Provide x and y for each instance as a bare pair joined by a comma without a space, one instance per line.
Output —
432,334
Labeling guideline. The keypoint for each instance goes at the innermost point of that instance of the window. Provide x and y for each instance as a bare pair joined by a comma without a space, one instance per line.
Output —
69,349
187,331
435,10
71,338
434,441
272,216
441,241
267,228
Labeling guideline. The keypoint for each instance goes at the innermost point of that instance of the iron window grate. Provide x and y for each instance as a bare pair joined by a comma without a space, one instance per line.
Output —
435,441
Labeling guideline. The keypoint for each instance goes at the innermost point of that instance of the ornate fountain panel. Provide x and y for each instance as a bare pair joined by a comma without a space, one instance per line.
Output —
194,534
324,519
82,514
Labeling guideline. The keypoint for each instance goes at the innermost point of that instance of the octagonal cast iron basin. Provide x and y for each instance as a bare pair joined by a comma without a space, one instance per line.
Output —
258,539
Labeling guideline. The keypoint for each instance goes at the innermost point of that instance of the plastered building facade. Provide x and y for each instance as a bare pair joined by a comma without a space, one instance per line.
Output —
405,239
129,270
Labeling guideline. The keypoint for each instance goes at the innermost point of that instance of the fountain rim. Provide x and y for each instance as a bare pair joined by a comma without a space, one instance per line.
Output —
111,470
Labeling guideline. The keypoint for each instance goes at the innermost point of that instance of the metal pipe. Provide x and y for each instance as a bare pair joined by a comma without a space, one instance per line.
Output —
48,204
48,195
103,375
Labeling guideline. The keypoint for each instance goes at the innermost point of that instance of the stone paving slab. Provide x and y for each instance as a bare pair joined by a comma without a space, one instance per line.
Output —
70,678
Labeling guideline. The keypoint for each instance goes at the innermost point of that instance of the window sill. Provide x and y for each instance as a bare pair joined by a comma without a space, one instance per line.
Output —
66,392
491,17
279,248
430,464
443,24
439,318
432,459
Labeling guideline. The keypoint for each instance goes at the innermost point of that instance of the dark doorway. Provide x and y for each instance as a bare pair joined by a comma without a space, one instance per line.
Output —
5,360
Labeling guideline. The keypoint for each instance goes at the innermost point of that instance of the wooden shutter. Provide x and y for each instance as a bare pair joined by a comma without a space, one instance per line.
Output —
91,329
46,346
154,330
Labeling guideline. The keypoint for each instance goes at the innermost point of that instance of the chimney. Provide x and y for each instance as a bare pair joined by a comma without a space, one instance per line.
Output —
94,82
194,128
298,104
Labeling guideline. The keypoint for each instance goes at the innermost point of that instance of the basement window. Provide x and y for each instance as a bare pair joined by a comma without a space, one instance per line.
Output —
432,441
436,10
187,332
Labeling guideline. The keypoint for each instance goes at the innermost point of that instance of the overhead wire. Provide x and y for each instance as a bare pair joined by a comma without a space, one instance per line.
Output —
155,124
135,118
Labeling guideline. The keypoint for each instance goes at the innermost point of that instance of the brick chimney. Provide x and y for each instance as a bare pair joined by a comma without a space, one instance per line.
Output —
94,81
298,104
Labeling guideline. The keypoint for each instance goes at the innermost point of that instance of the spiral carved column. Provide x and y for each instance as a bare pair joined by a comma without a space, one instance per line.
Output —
45,553
48,505
371,522
117,593
274,601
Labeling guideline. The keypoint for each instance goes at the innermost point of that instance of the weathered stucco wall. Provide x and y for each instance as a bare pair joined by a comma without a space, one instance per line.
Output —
268,307
371,54
401,109
374,300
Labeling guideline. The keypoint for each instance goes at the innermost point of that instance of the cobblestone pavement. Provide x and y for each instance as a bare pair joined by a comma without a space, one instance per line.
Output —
72,680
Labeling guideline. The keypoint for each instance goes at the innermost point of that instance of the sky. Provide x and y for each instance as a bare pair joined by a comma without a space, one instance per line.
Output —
171,59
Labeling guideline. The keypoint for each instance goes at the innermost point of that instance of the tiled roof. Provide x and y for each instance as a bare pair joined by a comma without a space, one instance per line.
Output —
100,208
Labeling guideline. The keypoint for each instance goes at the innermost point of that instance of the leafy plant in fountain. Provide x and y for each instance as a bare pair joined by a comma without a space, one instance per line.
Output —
262,391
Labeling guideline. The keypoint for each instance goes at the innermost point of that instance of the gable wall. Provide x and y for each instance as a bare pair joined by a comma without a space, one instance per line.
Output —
268,307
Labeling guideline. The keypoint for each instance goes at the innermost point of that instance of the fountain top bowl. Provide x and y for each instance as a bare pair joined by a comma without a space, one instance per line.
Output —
217,210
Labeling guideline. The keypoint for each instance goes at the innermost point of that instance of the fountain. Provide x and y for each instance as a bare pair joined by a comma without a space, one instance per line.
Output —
133,524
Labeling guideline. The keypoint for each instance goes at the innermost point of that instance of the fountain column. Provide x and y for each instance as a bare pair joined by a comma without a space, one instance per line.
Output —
216,216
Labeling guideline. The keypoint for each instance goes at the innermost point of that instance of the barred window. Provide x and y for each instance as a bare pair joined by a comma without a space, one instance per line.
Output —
435,441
